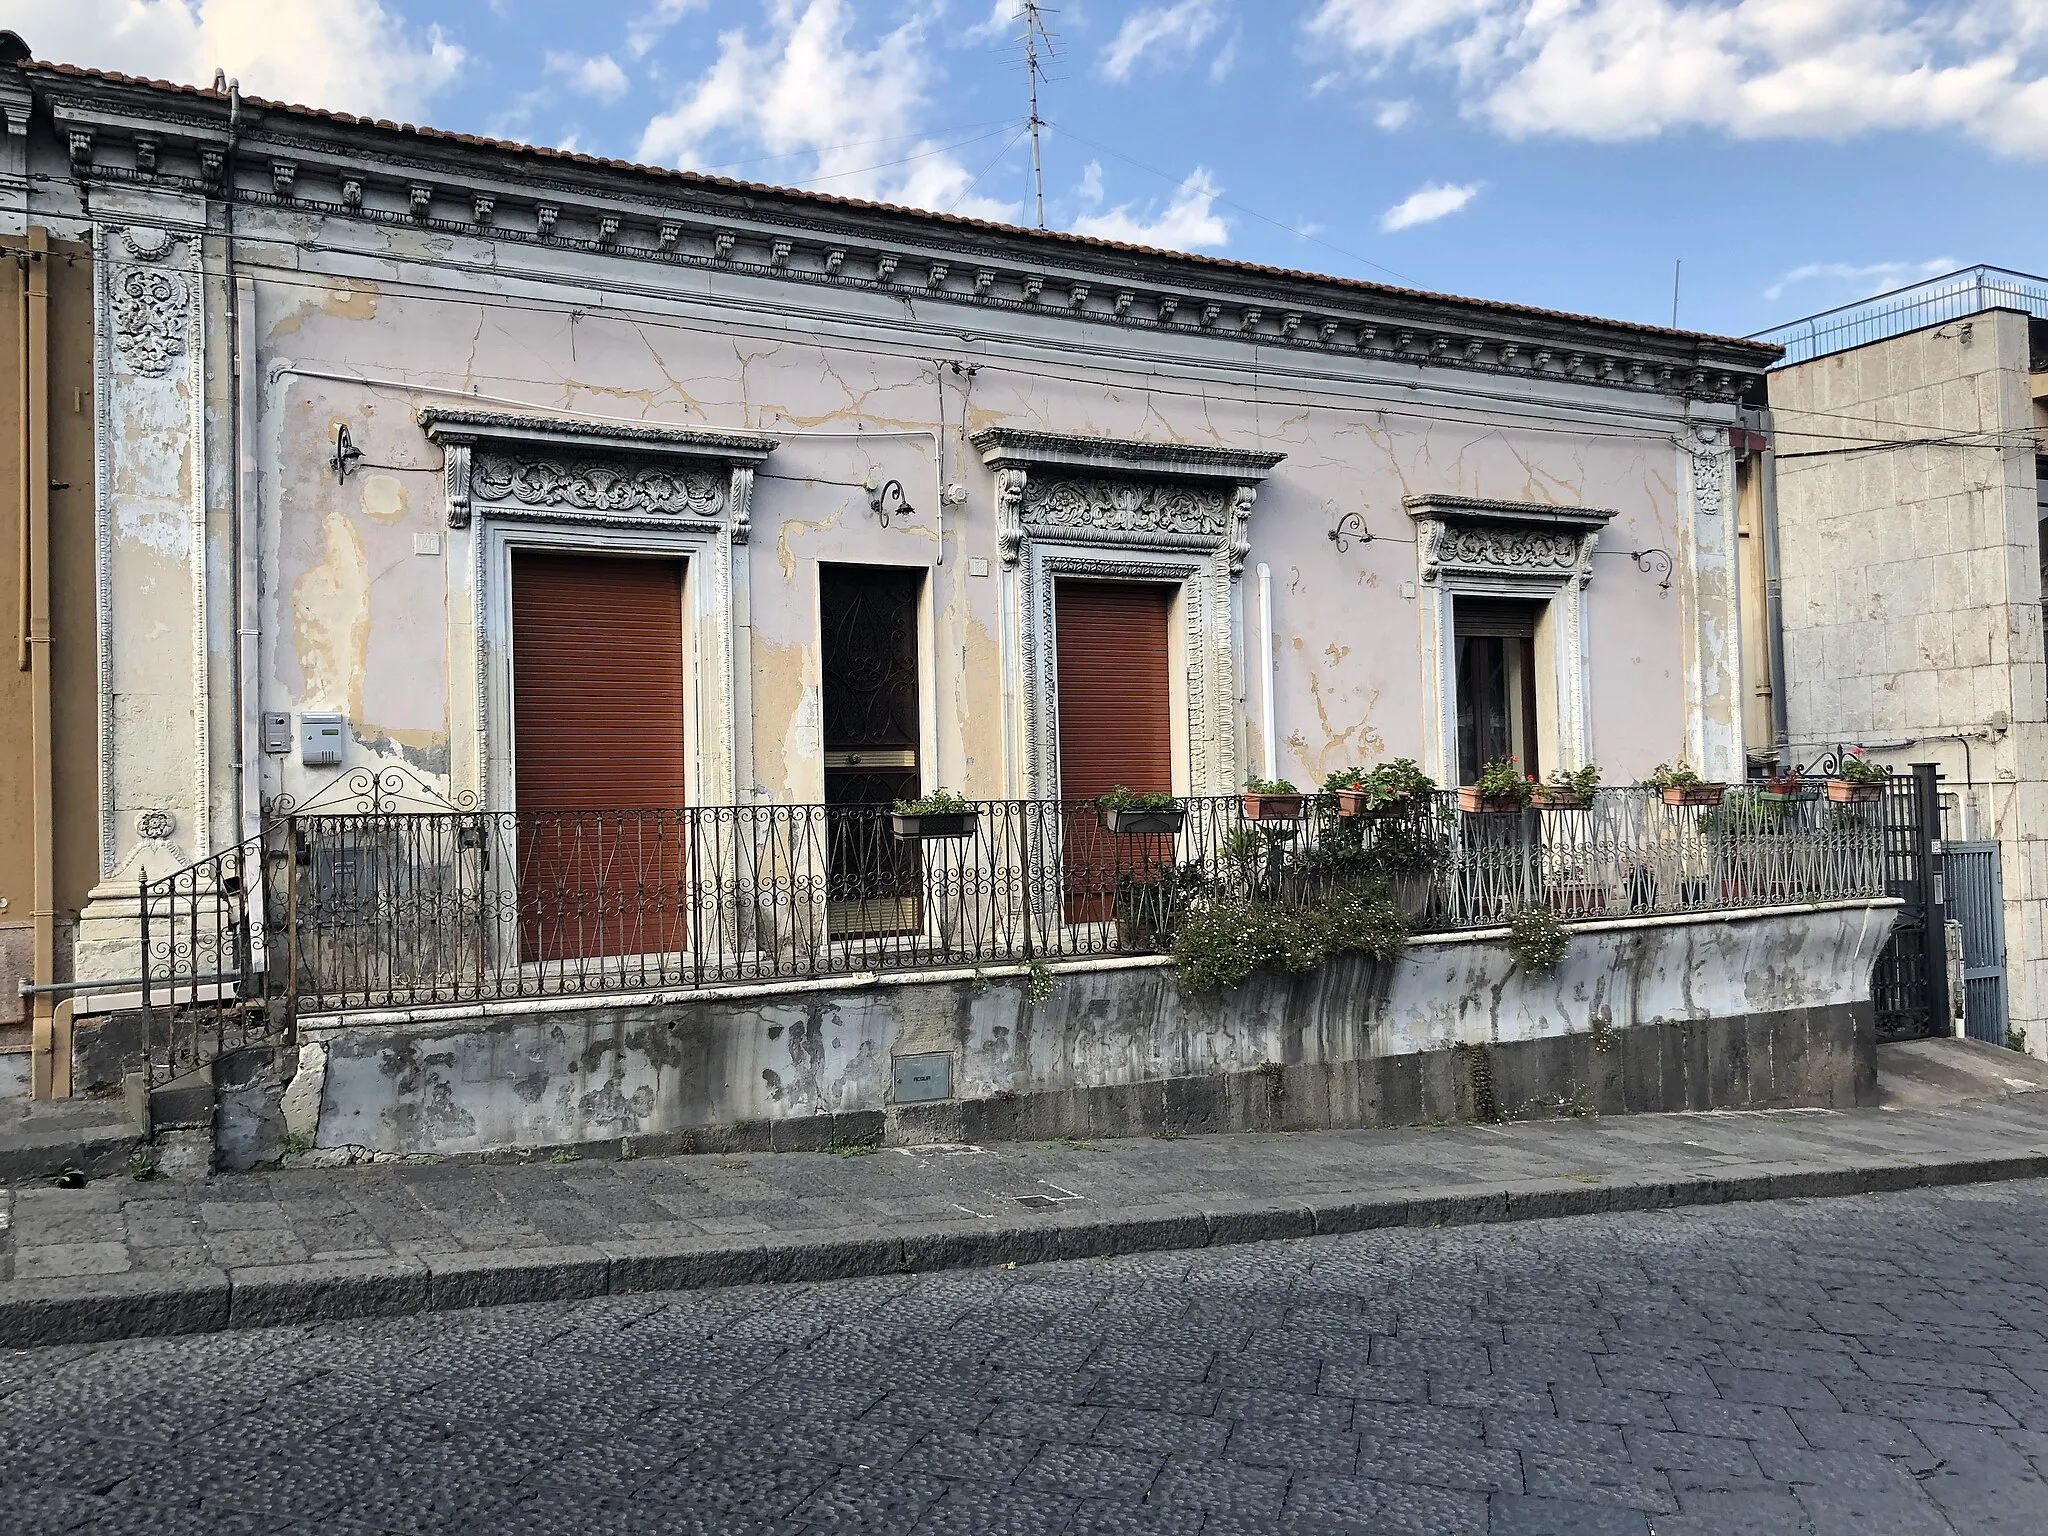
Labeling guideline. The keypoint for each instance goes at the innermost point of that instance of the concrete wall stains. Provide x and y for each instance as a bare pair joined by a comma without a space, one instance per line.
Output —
568,1073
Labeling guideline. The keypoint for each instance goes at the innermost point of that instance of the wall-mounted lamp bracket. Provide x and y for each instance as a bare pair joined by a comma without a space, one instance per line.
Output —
1649,562
346,453
886,499
1350,523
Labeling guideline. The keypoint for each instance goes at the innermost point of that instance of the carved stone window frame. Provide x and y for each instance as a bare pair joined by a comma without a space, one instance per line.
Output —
1109,509
1475,547
515,481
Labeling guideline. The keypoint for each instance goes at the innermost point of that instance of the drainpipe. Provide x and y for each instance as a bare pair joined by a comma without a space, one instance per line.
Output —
47,1077
1774,598
241,591
1271,733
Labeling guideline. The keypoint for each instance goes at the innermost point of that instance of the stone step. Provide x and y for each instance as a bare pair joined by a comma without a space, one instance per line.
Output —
39,1139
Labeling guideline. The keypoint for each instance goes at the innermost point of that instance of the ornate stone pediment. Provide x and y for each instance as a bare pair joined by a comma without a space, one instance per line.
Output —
1504,540
1108,491
563,469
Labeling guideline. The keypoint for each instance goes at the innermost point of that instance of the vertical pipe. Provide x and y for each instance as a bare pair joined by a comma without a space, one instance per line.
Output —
1774,598
45,1074
1270,739
1933,898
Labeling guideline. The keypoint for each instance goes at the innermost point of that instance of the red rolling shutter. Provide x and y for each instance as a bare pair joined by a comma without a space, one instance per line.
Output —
1115,707
597,700
1116,727
597,681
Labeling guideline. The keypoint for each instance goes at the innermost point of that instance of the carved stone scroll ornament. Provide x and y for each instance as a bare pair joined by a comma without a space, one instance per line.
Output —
152,312
1524,551
597,485
1710,454
1129,507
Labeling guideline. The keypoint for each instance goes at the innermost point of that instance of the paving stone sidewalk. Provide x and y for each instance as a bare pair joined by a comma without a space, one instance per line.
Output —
123,1258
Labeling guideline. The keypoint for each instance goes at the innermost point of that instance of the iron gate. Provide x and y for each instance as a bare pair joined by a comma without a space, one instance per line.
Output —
1976,903
1911,983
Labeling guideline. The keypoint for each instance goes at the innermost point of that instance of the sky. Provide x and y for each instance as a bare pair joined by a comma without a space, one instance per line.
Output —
1765,158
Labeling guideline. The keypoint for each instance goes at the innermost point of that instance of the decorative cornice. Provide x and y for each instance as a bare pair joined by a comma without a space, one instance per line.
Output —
1021,448
445,425
1525,514
632,213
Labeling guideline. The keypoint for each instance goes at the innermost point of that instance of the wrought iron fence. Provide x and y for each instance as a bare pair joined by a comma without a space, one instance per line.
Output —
401,909
1931,302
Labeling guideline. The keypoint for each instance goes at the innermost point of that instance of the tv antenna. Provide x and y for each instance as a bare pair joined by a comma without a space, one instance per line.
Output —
1036,33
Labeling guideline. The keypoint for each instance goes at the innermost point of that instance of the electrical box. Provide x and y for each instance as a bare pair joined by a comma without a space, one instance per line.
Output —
320,738
922,1079
277,733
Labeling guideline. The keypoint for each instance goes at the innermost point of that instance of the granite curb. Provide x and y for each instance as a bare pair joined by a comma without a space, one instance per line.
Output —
96,1309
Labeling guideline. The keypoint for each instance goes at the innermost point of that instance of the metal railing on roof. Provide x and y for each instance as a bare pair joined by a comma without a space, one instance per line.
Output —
1932,302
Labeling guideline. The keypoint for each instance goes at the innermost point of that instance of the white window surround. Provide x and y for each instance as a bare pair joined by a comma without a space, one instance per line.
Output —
1470,546
1108,509
517,481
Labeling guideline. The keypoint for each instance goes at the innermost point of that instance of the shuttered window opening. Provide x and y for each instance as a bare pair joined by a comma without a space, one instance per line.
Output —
1116,727
598,693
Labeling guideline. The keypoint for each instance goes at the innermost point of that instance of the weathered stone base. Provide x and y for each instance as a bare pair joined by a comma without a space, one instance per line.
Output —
1742,1010
1800,1058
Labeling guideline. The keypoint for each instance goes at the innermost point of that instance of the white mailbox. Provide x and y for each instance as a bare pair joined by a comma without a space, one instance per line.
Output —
320,738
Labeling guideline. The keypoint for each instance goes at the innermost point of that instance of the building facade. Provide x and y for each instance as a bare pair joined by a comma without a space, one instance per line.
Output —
545,482
1908,503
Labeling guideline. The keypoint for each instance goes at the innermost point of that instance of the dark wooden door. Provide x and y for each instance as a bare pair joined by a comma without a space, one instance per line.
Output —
867,623
598,692
1116,727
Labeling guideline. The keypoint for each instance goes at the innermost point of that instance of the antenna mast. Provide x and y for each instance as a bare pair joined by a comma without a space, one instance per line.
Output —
1035,30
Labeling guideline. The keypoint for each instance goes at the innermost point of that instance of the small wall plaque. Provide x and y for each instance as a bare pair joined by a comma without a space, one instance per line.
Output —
922,1079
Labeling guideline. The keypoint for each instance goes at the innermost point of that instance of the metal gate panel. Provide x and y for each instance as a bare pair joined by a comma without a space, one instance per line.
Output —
1976,901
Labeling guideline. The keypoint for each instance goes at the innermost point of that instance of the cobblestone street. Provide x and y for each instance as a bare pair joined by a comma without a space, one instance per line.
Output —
1867,1365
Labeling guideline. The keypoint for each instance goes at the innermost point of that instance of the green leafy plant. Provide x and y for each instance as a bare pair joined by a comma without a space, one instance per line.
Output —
1503,779
1673,775
1222,944
1399,783
1038,981
562,1156
1363,921
1150,901
2015,1038
1538,939
1579,782
940,802
1258,786
1858,769
854,1146
1123,798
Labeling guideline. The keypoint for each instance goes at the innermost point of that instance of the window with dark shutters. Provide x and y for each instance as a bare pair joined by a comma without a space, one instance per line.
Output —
598,690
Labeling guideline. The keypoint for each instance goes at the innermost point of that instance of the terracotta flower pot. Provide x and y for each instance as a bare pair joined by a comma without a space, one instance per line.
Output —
1548,799
1264,807
1469,799
1855,791
1695,794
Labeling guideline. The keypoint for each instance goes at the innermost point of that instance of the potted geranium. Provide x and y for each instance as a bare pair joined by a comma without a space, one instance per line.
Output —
938,814
1679,785
1501,786
1860,780
1568,790
1271,800
1399,788
1126,810
1785,787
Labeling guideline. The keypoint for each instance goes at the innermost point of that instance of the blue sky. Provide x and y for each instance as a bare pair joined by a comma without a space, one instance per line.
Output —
1793,154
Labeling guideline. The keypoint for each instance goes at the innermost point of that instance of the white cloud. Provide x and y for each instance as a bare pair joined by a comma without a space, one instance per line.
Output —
347,55
1623,69
646,29
600,77
1189,221
998,26
806,89
1861,282
1427,204
1392,115
1162,30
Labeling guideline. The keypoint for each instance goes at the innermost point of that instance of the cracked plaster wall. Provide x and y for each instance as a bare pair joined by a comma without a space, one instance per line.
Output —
354,618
